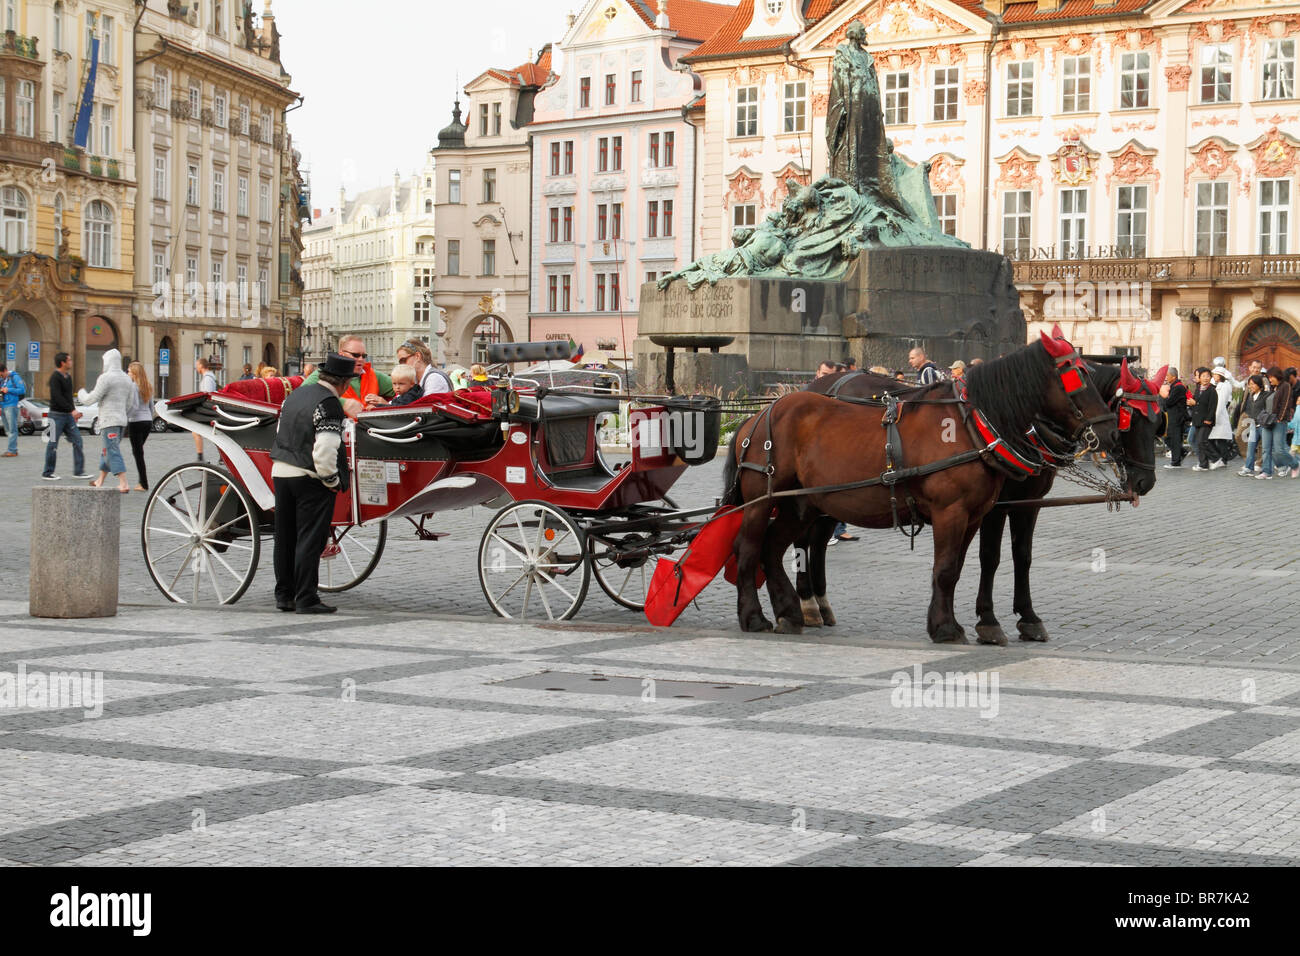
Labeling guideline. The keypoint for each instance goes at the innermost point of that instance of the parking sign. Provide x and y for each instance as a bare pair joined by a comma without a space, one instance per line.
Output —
11,352
164,362
33,356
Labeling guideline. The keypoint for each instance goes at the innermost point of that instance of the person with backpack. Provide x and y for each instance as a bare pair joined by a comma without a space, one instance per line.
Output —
12,391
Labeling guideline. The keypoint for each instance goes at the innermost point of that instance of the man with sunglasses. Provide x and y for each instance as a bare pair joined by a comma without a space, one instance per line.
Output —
366,381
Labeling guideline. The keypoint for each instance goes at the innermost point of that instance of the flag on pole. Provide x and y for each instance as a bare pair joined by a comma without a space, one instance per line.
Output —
575,350
81,134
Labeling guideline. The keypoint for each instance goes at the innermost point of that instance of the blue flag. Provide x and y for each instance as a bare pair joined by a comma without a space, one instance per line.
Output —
81,135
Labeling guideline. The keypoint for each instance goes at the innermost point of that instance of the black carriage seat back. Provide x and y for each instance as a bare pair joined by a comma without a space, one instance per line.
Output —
501,352
558,405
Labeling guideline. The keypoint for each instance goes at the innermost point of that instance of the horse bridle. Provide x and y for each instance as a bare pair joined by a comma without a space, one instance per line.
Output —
1123,416
1073,373
1123,403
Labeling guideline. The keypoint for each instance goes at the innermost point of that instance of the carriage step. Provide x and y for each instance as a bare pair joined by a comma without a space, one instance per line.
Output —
424,535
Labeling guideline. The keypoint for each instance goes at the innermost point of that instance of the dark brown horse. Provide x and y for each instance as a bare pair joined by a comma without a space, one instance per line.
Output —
1140,422
929,463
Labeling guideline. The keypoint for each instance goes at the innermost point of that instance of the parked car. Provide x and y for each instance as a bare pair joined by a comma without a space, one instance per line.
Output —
88,422
31,415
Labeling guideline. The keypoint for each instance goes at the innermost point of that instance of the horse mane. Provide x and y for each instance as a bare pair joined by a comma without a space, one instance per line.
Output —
1008,390
1105,377
881,384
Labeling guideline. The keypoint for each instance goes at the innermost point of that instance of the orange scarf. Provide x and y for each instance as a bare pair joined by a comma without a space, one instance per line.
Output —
369,386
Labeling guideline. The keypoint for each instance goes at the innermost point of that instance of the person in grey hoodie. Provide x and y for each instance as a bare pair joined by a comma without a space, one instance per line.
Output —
113,391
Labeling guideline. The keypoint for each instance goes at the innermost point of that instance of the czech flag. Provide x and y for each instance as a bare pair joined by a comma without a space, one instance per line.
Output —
575,351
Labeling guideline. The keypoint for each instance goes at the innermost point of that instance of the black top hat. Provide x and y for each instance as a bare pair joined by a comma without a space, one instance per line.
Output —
339,365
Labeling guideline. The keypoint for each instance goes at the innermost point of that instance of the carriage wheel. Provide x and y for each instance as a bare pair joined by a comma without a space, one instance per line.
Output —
625,583
200,536
350,554
532,562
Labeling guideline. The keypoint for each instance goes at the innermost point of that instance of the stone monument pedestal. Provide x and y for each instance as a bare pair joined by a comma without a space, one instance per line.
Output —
955,303
74,552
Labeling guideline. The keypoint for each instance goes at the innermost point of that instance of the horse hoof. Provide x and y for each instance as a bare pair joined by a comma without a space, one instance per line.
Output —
758,626
828,616
991,634
788,625
812,616
949,635
1031,632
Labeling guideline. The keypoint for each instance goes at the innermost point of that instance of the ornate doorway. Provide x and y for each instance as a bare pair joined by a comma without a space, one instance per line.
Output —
1273,342
488,331
17,330
101,336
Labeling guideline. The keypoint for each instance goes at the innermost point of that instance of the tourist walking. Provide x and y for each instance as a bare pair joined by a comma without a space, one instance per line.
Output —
1173,399
113,392
1252,407
63,420
1275,452
1221,433
1204,412
12,391
139,420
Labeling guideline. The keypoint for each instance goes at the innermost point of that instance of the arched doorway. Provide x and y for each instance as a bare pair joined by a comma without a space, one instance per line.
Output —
1272,341
489,330
164,374
101,336
17,330
268,357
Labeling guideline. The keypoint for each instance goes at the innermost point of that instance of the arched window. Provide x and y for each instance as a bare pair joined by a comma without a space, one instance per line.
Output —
13,219
99,235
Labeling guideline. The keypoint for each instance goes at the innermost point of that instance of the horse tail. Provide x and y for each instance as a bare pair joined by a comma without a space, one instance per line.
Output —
731,474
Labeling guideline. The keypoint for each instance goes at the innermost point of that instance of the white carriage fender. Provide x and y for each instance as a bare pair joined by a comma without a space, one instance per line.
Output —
244,468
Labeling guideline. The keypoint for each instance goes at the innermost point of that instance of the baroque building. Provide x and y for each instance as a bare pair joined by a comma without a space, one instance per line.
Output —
1136,158
221,198
384,259
483,211
66,211
318,284
614,166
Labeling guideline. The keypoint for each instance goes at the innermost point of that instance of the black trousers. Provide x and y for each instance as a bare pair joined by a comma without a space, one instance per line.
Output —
1204,445
303,508
139,434
1174,439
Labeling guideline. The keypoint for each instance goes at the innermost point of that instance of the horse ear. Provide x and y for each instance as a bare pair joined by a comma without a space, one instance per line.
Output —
1056,347
1160,377
1056,331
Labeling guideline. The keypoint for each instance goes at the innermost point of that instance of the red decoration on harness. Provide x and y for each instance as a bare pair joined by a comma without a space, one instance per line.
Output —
1072,381
1007,456
1123,418
676,583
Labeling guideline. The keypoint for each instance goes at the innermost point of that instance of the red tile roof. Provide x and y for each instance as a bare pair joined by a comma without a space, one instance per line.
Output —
727,42
526,74
692,19
1070,10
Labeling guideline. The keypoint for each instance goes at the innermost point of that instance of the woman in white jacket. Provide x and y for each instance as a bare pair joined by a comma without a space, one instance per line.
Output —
113,391
1221,433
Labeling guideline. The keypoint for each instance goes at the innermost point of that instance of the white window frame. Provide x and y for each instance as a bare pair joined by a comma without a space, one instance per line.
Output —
218,188
25,109
945,209
1018,214
1020,88
1132,216
241,196
15,219
162,88
1072,208
794,106
264,200
1135,80
1216,61
1277,69
453,185
160,174
1076,83
897,89
746,112
219,109
744,215
106,131
1212,199
192,184
944,104
1274,217
99,235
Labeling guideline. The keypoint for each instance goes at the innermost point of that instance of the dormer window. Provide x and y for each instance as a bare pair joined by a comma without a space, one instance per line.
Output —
774,7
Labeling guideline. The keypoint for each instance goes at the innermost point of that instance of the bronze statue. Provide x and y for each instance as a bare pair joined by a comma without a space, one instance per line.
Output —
856,144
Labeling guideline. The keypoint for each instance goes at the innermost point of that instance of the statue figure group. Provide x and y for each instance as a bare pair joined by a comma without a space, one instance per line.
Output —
870,198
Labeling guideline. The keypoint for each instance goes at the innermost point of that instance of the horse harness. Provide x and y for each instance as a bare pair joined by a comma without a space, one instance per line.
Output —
989,446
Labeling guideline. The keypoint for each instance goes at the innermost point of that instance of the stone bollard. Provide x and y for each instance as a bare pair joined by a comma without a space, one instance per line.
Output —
74,556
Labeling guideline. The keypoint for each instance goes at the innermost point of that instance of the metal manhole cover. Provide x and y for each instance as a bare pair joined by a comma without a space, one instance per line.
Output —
622,686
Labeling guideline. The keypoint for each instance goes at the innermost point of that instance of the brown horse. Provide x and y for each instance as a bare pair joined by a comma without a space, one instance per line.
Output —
1140,422
933,461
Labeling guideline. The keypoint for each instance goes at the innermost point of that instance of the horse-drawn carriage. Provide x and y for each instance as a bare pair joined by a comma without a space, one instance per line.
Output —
564,513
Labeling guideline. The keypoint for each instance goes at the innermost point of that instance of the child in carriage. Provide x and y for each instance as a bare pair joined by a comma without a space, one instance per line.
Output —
405,387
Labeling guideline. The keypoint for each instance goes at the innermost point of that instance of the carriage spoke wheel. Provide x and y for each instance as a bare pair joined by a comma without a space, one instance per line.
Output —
350,554
625,580
532,563
200,536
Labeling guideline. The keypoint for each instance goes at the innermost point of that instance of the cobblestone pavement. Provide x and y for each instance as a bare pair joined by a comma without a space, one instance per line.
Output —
1160,726
388,738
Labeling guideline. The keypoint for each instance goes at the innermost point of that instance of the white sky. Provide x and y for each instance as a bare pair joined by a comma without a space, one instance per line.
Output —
379,76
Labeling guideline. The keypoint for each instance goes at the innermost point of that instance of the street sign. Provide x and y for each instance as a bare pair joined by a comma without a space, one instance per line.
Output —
11,351
33,356
164,362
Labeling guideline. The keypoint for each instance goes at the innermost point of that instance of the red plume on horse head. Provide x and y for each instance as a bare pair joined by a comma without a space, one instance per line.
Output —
1128,382
1159,378
1056,331
1057,347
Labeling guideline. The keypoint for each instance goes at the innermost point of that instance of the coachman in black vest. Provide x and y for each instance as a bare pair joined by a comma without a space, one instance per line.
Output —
309,466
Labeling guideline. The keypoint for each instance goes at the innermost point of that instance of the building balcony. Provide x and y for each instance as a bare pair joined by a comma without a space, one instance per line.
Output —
15,44
1161,271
